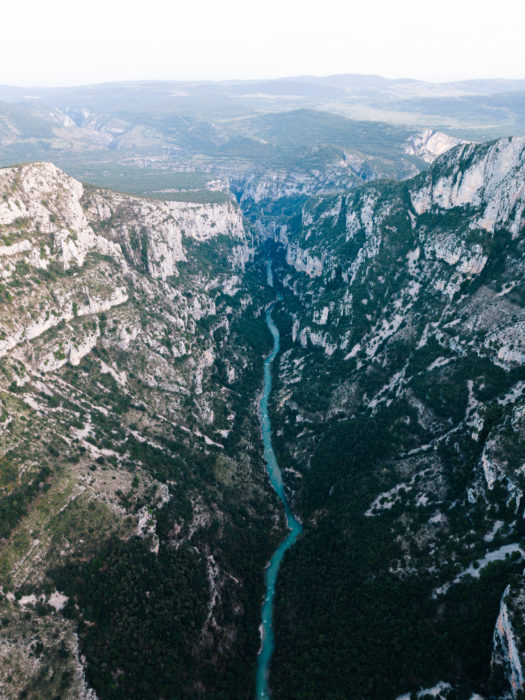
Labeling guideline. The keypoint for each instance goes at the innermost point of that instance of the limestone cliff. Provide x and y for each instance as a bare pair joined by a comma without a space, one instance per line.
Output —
128,386
400,397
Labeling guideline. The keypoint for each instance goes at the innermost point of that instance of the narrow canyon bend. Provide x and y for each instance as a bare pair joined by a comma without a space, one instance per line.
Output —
171,422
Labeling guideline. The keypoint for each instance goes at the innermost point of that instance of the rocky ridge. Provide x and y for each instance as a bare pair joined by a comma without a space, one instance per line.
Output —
404,309
429,144
128,401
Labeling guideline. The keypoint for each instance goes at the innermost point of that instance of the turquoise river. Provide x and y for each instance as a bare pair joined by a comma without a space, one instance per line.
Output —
272,570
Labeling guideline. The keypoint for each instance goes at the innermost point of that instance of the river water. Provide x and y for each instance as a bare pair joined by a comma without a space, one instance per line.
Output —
267,639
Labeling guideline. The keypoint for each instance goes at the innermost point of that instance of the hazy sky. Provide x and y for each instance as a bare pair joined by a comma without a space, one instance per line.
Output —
63,42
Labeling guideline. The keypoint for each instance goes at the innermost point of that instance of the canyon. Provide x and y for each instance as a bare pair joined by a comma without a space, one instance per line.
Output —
136,512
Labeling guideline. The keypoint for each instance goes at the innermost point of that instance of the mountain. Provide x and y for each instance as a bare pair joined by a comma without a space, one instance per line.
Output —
299,138
132,478
166,154
136,515
143,137
400,404
20,124
350,94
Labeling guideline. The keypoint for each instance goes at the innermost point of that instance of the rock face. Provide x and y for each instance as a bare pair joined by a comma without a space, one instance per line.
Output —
130,365
429,144
400,404
271,185
123,218
488,178
507,645
49,202
453,216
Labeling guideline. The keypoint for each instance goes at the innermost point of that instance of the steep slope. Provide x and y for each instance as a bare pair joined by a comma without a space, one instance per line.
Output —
400,413
133,496
135,514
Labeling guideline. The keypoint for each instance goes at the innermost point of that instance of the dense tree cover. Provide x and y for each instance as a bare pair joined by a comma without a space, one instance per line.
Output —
359,612
139,618
142,616
151,626
346,627
343,468
244,546
349,623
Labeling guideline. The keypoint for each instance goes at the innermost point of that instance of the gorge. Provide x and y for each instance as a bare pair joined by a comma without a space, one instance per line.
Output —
139,502
293,525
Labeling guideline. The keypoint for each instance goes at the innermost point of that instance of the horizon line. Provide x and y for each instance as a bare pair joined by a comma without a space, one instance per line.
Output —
304,76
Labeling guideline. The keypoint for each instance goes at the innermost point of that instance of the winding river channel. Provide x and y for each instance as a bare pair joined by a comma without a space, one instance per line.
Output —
274,472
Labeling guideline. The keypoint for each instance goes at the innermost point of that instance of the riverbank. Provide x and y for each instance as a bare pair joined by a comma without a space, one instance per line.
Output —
275,476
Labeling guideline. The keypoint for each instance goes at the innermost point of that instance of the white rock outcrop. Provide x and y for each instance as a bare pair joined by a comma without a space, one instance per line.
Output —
506,648
167,224
430,144
46,200
491,178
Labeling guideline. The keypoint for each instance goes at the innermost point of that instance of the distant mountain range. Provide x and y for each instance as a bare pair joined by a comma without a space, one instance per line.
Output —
472,107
